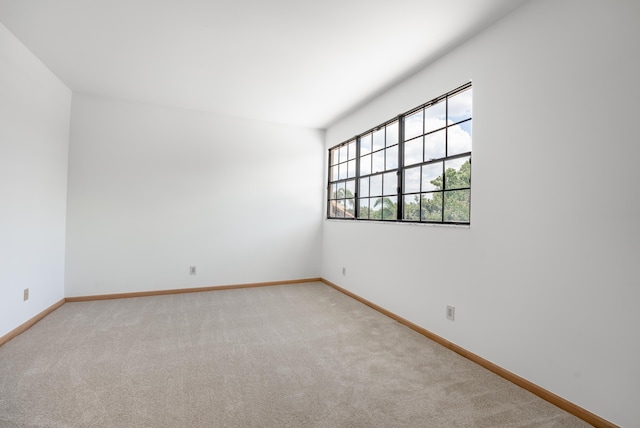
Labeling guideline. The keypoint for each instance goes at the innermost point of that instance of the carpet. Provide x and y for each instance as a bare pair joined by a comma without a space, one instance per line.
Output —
302,355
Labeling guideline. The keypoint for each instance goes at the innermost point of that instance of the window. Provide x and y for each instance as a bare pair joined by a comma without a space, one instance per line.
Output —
342,188
413,168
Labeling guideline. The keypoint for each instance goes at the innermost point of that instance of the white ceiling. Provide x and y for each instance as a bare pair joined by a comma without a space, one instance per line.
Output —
298,62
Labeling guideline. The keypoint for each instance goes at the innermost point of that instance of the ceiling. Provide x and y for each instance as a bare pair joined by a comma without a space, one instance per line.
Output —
297,62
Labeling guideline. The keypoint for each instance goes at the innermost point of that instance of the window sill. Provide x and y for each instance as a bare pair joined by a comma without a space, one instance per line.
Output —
398,223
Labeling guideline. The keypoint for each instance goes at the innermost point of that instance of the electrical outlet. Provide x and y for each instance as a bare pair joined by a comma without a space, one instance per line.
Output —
451,312
192,270
344,271
26,294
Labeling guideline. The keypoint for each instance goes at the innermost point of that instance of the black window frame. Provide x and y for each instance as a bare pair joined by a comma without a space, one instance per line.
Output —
348,197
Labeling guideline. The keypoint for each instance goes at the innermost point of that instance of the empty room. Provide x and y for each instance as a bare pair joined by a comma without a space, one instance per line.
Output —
319,214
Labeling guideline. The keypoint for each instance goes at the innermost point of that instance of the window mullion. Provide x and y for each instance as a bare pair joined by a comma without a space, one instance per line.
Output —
400,206
356,209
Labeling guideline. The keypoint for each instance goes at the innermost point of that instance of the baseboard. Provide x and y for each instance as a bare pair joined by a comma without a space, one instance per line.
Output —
187,290
30,323
549,396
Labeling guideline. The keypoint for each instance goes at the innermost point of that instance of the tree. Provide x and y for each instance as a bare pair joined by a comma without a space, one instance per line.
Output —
455,203
343,204
387,209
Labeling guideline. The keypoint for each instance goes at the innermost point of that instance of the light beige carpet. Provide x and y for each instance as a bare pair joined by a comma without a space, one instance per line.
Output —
298,356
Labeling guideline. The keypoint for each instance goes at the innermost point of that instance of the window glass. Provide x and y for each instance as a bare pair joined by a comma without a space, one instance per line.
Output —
392,134
435,116
351,149
433,161
389,208
391,158
351,168
375,185
365,144
413,151
411,207
413,125
363,207
412,180
460,106
459,137
378,139
378,161
343,154
431,207
342,171
364,187
435,145
456,205
350,189
457,173
432,176
390,183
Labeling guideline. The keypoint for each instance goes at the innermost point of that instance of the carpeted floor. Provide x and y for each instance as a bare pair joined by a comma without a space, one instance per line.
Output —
301,355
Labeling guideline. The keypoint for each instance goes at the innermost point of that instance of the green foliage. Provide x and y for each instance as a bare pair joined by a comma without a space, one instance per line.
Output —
449,204
342,193
429,206
387,209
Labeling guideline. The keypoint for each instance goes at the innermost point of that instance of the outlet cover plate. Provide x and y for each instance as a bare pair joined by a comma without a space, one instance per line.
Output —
451,312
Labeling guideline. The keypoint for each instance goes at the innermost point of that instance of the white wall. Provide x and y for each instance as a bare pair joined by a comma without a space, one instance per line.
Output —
153,191
34,134
546,281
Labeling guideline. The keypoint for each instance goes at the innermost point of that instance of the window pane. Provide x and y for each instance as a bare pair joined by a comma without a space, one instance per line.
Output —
413,151
333,192
333,176
378,139
466,127
351,150
363,207
351,168
456,206
412,180
332,208
375,188
434,145
364,186
350,189
365,165
434,117
365,144
392,134
334,156
378,161
390,208
413,125
392,158
343,154
339,210
350,205
460,106
375,208
459,138
432,176
431,206
390,184
342,171
340,189
412,207
457,173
